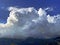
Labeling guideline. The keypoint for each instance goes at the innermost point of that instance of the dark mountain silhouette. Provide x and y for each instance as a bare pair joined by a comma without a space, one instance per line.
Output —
29,41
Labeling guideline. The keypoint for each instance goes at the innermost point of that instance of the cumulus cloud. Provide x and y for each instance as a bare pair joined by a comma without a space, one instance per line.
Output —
29,22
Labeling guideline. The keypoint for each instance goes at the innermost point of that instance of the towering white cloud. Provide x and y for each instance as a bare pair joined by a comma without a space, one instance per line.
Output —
28,22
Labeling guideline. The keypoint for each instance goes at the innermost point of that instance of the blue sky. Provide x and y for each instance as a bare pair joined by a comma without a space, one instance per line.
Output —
55,4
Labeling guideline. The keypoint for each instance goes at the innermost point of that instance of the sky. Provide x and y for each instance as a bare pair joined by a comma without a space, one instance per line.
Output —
27,3
29,18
